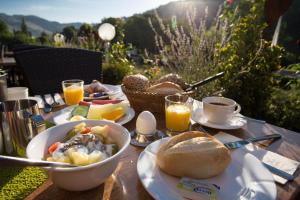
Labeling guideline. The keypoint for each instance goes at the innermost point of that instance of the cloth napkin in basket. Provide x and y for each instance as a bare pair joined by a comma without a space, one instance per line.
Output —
271,158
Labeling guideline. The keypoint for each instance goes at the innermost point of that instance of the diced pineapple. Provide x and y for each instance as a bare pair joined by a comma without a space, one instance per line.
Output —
64,159
100,130
96,156
79,127
108,140
51,159
78,158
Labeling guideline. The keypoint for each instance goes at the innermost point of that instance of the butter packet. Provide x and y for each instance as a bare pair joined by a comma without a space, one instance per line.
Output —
196,190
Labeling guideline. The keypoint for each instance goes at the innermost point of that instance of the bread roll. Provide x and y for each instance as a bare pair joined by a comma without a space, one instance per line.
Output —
165,88
174,78
136,82
193,154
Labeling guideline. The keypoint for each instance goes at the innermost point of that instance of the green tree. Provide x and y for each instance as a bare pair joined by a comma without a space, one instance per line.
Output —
86,30
44,39
139,33
3,28
70,33
5,34
23,27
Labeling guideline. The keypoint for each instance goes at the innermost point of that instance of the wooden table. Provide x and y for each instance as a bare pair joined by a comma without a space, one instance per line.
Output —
125,184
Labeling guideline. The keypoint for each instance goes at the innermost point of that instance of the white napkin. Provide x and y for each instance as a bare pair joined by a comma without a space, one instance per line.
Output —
271,158
49,99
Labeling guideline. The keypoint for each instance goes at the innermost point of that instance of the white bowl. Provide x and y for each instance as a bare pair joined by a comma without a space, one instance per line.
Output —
82,177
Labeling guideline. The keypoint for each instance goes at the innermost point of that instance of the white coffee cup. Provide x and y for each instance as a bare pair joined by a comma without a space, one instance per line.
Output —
16,93
219,109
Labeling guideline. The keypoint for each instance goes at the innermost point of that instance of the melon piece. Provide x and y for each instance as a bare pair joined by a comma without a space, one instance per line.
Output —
94,112
97,111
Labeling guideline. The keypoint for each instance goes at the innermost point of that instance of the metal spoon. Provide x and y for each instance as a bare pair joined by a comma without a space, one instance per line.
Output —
31,162
47,106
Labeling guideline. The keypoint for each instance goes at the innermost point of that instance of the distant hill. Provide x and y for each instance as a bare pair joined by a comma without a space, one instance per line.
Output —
180,8
35,25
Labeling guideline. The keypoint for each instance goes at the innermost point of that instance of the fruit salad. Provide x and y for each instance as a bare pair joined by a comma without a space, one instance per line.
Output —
83,145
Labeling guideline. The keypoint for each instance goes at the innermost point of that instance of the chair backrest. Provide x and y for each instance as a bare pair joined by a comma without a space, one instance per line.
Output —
46,68
26,47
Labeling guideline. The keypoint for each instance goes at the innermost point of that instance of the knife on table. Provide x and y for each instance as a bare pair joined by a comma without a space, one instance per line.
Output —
274,170
240,143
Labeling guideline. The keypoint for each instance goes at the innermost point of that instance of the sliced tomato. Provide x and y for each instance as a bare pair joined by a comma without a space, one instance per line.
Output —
86,130
53,147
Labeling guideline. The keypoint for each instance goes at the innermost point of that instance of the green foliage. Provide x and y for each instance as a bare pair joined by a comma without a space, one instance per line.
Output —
249,61
139,33
24,27
118,65
22,38
70,33
5,35
44,39
284,108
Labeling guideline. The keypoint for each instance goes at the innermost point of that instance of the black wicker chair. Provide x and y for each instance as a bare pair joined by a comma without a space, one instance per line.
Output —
46,68
26,47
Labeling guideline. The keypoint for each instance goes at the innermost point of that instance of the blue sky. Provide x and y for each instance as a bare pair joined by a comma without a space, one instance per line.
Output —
78,10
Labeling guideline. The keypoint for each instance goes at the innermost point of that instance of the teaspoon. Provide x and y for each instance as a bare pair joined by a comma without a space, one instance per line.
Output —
32,162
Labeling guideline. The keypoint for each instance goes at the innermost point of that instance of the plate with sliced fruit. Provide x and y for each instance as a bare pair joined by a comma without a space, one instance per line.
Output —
116,110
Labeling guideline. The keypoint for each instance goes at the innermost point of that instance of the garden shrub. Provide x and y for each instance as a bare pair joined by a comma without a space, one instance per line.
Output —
117,65
249,61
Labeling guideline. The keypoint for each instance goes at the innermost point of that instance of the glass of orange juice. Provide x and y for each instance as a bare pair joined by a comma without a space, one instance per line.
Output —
73,91
178,109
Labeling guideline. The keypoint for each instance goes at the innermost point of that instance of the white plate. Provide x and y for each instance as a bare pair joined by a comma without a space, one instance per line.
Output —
245,170
235,122
113,90
63,115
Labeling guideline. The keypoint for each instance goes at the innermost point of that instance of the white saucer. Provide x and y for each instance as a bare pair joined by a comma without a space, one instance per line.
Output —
235,122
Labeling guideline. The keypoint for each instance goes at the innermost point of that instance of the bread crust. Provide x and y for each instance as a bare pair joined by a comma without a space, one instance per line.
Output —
165,88
136,82
193,154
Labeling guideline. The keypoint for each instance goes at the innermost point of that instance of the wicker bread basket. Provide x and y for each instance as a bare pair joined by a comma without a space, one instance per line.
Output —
152,102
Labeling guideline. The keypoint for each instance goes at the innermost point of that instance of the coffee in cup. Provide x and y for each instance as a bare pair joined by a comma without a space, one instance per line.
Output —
219,109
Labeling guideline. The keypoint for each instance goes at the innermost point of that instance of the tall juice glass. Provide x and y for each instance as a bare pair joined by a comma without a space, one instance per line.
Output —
178,109
73,91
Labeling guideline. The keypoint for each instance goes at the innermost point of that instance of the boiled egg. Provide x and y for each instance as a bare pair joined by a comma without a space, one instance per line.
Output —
146,123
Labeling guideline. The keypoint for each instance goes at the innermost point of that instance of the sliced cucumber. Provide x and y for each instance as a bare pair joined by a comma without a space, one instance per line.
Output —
80,110
69,135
